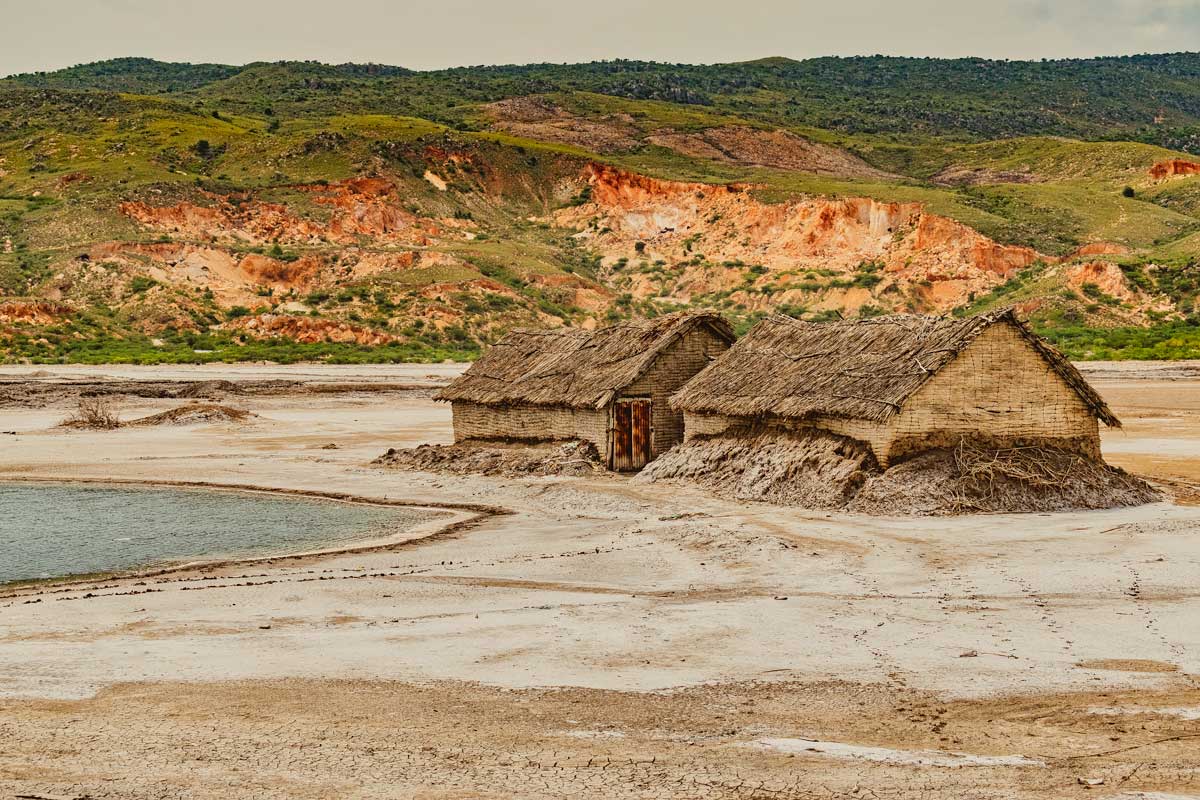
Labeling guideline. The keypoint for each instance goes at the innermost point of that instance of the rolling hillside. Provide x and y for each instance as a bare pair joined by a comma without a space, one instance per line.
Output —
165,212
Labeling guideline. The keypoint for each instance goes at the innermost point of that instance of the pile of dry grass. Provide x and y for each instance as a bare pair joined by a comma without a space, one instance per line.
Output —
814,469
974,478
484,457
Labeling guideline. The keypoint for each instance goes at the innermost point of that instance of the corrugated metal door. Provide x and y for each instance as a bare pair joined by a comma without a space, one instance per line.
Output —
632,444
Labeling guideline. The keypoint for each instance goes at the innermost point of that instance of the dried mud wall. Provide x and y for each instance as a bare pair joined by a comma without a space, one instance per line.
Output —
669,372
530,423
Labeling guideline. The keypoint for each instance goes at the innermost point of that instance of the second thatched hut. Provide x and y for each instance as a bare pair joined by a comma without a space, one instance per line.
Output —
901,384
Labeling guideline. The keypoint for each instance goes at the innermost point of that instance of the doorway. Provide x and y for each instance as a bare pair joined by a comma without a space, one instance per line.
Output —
632,435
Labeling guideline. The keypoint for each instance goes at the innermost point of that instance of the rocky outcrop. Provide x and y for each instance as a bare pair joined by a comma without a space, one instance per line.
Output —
32,312
307,330
958,175
778,149
359,207
922,258
1167,169
1104,275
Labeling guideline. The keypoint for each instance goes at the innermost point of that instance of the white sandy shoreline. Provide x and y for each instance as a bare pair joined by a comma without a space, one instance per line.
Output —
604,583
447,517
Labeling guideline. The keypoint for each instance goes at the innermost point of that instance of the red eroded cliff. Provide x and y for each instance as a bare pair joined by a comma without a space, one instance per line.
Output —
930,259
32,312
359,207
307,330
1177,166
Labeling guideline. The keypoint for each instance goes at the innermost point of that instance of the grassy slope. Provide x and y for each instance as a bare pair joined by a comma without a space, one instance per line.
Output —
260,118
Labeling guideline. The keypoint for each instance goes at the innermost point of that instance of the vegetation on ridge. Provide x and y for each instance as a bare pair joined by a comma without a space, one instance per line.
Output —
165,212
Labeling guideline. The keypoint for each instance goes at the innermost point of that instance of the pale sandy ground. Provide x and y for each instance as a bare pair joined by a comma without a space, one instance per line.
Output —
702,638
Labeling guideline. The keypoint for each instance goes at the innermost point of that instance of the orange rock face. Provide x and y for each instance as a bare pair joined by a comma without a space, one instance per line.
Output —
307,330
926,258
360,207
283,274
1103,274
32,312
1167,169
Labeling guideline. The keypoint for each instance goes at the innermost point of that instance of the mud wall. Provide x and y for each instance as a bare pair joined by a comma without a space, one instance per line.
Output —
530,423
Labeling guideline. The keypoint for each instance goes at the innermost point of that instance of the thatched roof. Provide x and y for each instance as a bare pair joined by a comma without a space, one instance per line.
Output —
861,369
574,368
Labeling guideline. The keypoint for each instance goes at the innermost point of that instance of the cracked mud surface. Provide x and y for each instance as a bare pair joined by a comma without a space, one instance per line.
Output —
304,739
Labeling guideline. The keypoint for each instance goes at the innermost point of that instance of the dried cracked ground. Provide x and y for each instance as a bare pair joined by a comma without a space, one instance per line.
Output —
316,739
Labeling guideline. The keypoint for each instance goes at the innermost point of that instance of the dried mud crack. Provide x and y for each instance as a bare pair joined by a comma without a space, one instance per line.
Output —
309,739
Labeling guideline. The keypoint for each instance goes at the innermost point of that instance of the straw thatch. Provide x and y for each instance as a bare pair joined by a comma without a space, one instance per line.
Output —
863,369
573,368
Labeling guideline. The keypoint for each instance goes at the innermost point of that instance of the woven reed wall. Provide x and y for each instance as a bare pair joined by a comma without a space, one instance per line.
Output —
530,423
998,390
876,434
670,371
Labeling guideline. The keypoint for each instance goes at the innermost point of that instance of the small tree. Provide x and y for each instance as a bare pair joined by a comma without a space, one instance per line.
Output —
1128,192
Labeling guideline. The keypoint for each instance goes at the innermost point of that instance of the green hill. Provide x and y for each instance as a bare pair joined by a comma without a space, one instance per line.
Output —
300,209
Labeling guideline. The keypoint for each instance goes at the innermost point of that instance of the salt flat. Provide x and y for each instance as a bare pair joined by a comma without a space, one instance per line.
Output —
985,635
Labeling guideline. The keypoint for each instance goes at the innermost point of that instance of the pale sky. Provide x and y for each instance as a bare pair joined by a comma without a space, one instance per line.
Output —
49,34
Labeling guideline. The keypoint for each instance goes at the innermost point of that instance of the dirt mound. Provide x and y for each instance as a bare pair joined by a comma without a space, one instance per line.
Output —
817,469
739,144
194,414
483,457
956,175
1013,480
208,388
538,118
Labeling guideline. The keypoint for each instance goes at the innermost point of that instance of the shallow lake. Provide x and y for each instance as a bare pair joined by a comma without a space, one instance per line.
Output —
61,529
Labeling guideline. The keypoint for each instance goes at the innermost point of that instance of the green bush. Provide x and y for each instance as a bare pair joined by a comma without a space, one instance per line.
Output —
141,283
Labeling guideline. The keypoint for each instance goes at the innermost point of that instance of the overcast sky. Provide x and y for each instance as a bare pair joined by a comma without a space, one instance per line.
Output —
49,34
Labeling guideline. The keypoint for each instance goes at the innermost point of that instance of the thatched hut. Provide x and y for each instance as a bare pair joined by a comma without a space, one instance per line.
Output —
902,384
610,386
